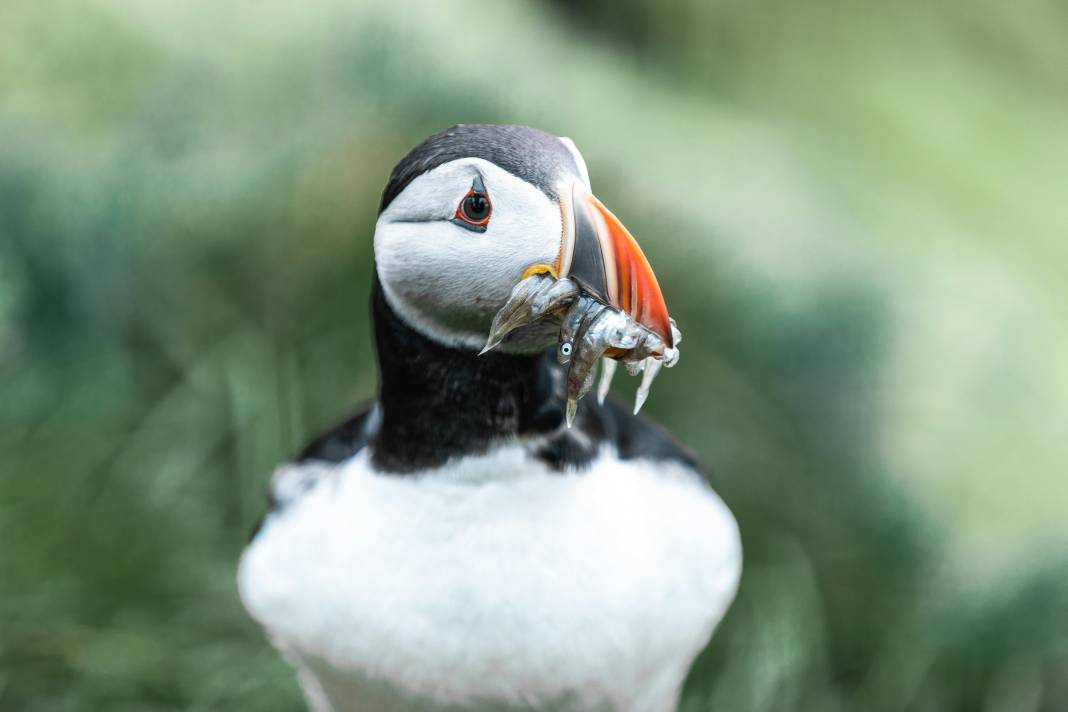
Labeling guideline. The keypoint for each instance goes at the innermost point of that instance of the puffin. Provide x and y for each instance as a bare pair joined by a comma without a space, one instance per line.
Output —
483,537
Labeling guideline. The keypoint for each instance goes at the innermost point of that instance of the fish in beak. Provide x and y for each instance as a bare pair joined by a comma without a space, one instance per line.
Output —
606,296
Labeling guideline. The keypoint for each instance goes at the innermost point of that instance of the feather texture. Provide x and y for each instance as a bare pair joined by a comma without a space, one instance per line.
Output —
493,582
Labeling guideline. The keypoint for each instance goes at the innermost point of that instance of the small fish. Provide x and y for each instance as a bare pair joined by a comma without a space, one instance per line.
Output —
590,332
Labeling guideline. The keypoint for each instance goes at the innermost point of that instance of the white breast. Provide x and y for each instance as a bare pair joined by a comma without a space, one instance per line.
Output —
494,583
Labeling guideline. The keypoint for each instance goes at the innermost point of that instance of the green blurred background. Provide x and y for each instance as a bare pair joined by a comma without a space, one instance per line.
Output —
857,211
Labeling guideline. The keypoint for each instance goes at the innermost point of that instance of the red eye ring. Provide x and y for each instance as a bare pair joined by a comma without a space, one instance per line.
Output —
475,209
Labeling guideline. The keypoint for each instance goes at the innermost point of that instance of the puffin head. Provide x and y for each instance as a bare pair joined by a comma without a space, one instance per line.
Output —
475,209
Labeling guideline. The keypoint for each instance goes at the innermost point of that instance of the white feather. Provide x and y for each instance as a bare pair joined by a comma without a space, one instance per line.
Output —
446,280
579,160
494,583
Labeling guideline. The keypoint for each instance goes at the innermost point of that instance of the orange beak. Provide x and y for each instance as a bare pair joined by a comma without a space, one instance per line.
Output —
604,259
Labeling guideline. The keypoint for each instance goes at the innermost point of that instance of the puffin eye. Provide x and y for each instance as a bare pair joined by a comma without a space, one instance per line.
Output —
474,210
475,207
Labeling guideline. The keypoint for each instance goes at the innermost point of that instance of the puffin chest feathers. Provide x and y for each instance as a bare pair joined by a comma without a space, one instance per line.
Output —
493,581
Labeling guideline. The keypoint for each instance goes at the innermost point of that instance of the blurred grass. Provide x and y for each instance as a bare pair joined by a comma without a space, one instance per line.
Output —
856,211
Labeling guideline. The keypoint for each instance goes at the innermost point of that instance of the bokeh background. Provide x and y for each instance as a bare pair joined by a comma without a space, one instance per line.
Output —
857,211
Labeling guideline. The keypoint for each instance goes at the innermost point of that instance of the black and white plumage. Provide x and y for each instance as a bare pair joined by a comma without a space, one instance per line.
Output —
457,546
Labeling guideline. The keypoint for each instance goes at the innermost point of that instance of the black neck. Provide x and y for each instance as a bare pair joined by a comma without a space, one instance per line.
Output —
439,402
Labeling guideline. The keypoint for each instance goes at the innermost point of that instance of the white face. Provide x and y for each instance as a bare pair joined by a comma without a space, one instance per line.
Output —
445,279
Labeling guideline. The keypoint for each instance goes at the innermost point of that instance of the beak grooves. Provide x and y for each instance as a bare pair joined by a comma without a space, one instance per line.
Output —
605,259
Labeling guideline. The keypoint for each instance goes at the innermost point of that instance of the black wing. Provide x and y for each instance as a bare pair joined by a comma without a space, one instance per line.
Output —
633,437
342,441
337,444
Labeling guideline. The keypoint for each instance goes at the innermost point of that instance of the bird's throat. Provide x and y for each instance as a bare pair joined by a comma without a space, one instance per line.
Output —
439,402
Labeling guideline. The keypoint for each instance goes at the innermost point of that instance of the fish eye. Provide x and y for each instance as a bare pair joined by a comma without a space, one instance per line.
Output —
474,210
